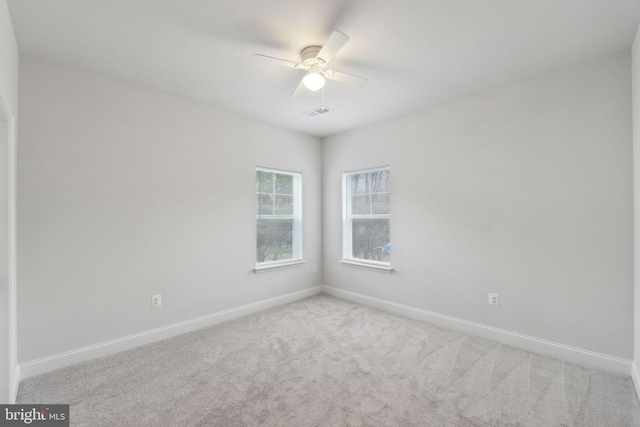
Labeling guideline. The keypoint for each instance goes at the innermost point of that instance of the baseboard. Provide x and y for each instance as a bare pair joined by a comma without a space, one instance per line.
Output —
635,376
537,345
569,353
68,358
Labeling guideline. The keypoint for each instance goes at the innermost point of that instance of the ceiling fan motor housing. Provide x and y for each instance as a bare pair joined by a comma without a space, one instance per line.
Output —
309,56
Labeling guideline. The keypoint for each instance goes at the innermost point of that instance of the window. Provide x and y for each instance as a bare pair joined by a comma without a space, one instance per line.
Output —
278,217
366,237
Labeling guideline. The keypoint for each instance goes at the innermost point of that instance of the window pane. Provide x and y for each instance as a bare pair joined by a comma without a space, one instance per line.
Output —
278,200
275,240
359,183
284,205
366,228
360,204
264,182
380,203
265,204
380,181
284,184
371,239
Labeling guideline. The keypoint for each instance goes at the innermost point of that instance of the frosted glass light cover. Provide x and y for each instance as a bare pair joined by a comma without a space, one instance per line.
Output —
313,81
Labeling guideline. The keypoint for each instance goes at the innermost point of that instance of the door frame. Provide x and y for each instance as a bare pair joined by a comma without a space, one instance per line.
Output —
12,129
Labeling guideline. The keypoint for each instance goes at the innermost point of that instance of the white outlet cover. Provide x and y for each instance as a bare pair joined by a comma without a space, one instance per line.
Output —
156,301
494,299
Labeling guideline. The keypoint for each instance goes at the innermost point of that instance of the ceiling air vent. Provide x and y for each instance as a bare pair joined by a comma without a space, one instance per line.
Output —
317,111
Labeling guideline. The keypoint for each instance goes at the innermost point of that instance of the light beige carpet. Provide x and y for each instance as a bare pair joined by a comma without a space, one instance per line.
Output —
328,362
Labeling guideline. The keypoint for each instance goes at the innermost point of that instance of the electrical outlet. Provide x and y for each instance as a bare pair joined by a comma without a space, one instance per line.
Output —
494,299
315,268
156,301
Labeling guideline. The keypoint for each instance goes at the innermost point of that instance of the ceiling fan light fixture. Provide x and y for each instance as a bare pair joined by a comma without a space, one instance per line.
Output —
314,60
313,81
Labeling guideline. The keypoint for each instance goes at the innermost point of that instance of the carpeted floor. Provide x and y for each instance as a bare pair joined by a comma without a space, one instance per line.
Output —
324,361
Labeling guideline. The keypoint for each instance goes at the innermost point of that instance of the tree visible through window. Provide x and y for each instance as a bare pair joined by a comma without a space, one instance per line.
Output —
278,215
367,215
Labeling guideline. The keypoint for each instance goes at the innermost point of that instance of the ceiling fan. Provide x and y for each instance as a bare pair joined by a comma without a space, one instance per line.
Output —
314,60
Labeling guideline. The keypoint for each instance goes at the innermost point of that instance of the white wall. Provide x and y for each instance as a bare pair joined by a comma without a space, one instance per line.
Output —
8,118
124,193
525,191
635,70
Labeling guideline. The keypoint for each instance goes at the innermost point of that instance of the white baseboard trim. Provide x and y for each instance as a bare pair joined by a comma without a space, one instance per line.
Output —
635,376
68,358
537,345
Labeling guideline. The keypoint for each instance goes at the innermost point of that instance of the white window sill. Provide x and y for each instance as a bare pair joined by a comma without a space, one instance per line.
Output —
263,268
369,266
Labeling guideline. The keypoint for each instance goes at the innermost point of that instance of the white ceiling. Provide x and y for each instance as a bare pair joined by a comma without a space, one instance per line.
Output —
415,53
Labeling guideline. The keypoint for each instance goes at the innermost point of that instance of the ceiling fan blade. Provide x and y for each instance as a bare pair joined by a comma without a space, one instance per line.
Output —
298,90
332,46
276,61
347,78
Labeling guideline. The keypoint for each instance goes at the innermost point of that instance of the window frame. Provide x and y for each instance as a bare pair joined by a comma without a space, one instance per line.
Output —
347,217
296,216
